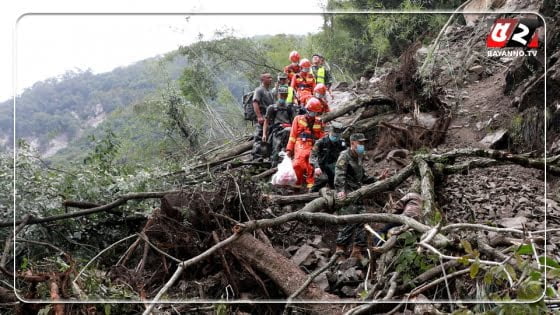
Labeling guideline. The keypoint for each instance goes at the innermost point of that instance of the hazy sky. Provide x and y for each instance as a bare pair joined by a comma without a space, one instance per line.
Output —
49,45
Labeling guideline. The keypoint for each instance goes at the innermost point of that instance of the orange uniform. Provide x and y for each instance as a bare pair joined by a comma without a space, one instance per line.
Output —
291,70
302,137
304,86
325,104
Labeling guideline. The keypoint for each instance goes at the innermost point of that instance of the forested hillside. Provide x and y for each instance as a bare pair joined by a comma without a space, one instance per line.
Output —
67,105
157,198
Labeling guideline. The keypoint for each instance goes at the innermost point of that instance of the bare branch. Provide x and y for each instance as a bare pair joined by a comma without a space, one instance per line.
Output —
120,201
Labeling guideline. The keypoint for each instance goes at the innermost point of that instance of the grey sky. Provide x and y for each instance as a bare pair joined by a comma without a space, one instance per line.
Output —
49,45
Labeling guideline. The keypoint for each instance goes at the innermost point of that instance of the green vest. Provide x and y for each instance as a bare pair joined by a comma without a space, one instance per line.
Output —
320,77
290,98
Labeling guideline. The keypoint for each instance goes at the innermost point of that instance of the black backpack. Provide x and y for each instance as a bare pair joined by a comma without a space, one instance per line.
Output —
248,110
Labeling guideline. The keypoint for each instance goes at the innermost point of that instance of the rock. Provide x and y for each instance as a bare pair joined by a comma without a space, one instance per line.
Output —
523,200
291,249
514,223
322,281
426,120
555,147
340,85
400,153
496,140
478,69
302,254
422,51
325,251
374,80
506,59
472,77
340,98
422,308
317,242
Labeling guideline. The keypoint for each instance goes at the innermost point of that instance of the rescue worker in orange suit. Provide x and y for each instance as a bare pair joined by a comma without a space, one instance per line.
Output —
320,93
293,68
306,129
302,85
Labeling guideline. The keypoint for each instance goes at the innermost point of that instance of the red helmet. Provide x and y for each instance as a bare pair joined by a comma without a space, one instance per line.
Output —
320,89
314,105
294,56
305,63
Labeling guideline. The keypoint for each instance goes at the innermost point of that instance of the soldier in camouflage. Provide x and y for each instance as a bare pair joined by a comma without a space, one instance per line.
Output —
325,154
278,123
349,176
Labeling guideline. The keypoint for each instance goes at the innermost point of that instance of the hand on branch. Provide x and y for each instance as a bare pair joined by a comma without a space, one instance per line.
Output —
318,172
341,195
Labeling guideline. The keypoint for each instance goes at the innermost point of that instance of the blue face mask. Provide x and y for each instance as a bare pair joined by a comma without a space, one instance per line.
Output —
281,101
312,114
333,138
360,149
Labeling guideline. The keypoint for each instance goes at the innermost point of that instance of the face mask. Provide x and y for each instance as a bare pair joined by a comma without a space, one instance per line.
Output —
312,114
304,69
281,101
360,149
295,63
333,138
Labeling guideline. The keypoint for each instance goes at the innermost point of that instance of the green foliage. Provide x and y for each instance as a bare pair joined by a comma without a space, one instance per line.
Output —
68,104
221,309
408,262
355,41
42,190
104,151
197,85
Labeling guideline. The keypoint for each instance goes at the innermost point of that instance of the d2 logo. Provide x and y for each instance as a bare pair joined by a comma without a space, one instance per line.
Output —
513,33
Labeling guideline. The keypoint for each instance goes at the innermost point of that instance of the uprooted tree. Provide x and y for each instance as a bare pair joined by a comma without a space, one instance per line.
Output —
224,235
221,233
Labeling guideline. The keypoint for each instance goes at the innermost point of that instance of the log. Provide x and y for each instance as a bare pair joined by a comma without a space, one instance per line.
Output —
519,159
293,199
354,104
118,202
287,275
366,190
366,125
238,149
427,189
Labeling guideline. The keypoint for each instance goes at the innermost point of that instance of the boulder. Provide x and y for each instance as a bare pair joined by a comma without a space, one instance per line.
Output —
322,281
496,140
513,223
302,254
478,69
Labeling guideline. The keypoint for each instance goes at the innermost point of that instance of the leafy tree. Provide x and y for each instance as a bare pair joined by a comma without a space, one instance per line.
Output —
354,42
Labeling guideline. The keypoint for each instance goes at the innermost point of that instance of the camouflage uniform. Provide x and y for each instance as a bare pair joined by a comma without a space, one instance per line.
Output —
324,155
280,118
263,97
349,176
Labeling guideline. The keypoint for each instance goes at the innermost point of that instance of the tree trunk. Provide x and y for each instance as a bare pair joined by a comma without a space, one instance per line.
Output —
287,275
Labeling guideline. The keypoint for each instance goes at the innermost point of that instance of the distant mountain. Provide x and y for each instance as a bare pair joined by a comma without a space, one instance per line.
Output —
53,112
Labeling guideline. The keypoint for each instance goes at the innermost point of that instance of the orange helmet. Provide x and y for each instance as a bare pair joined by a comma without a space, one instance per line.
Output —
305,64
314,105
320,89
294,56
